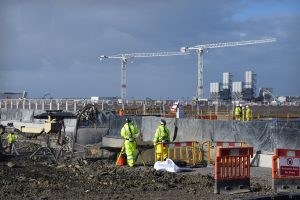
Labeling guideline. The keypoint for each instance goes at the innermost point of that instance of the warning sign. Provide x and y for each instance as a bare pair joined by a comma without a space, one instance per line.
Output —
289,166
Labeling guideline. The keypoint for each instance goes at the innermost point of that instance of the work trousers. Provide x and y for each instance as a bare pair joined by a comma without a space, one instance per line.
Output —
13,149
161,154
238,117
130,150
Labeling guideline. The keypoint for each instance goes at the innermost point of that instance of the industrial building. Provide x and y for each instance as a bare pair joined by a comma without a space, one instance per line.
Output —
234,90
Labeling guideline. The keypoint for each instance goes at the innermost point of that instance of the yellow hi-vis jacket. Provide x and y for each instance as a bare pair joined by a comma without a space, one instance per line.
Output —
129,131
11,138
248,113
238,111
162,134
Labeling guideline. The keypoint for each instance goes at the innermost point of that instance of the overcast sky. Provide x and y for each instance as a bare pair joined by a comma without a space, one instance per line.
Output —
53,46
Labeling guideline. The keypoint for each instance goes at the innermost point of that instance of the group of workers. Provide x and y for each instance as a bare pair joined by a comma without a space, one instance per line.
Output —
130,132
242,114
162,135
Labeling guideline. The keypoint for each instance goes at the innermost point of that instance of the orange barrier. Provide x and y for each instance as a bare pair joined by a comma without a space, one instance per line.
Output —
229,144
232,169
208,145
285,169
187,151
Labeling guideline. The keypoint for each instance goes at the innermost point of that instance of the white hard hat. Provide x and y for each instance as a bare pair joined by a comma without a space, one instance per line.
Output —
247,106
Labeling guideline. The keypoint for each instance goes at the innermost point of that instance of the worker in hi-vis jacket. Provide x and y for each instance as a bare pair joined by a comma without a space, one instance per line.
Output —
162,135
129,133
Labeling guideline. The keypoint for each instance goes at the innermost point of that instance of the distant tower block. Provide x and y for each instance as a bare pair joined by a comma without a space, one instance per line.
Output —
250,79
237,88
250,85
227,80
215,90
227,86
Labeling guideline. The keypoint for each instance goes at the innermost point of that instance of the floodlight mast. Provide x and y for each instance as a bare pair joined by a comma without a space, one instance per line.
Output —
201,48
126,57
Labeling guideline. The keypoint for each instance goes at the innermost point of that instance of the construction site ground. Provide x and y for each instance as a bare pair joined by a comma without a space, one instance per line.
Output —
74,178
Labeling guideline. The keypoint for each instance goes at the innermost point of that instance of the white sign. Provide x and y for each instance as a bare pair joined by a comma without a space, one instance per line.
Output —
295,162
289,166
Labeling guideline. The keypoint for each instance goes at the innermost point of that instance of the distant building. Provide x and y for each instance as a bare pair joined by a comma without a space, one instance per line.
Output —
234,90
293,99
249,86
13,95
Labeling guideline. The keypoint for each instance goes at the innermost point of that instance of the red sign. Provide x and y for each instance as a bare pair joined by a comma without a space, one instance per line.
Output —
289,171
289,166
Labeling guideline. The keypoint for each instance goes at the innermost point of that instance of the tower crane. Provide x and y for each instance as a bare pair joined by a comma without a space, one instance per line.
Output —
126,57
201,48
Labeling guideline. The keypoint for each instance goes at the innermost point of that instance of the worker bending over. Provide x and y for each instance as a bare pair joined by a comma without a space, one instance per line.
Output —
162,135
129,133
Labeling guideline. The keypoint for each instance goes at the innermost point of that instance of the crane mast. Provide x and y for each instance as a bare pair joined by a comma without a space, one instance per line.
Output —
125,57
201,48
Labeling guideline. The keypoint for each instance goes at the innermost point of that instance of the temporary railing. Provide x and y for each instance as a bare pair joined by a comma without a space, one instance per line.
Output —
285,169
207,146
183,151
137,107
232,169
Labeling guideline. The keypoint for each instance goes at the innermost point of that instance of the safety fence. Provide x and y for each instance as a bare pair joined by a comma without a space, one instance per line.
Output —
285,169
232,169
207,147
183,151
192,152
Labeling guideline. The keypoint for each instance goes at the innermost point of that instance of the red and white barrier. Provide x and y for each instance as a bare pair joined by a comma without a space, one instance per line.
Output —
232,169
285,170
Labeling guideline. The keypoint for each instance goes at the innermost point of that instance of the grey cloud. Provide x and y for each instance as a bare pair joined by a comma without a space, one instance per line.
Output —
63,39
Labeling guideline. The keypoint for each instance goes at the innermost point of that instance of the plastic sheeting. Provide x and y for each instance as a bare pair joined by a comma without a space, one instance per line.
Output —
262,135
169,166
19,115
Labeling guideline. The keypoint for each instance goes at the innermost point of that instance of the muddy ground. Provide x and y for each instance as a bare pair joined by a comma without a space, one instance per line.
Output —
74,178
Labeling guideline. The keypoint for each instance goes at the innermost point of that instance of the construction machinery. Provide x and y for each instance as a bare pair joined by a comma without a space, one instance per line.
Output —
275,101
126,57
200,49
53,126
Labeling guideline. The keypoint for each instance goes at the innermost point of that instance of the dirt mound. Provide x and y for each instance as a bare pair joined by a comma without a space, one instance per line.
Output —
71,178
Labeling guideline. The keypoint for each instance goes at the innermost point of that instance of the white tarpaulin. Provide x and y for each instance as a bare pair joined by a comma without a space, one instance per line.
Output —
169,166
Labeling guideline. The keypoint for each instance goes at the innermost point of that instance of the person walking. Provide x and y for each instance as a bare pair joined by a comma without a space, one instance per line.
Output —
162,135
129,133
